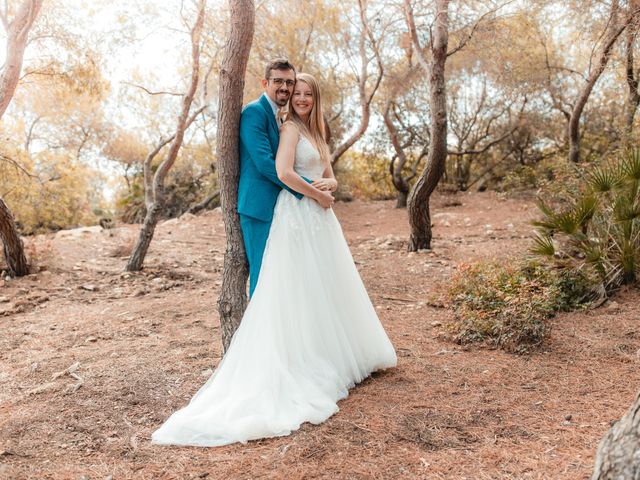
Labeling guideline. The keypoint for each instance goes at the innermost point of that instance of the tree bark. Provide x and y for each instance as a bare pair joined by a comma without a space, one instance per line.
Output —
13,247
397,164
233,293
154,185
139,253
17,35
400,182
615,29
633,96
618,456
401,200
418,204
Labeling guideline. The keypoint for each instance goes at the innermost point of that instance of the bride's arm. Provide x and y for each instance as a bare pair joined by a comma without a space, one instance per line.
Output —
328,181
285,158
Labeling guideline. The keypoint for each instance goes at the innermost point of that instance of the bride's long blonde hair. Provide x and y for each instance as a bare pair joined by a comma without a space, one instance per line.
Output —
314,128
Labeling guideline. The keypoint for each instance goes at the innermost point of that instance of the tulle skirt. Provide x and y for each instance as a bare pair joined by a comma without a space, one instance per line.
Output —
309,334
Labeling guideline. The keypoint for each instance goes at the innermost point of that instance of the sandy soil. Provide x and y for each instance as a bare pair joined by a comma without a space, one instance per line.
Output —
92,360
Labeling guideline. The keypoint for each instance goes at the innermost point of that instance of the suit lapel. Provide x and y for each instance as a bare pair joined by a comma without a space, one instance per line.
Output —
273,124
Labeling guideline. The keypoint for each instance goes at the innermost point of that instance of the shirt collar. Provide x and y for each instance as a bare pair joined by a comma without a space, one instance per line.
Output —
273,104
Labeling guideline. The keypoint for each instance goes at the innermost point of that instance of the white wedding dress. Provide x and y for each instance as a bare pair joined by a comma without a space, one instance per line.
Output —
309,334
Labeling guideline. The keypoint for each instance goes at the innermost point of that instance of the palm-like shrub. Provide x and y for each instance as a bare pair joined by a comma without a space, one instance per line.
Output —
597,229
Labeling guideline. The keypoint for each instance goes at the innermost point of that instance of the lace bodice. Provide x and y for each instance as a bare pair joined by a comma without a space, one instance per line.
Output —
307,162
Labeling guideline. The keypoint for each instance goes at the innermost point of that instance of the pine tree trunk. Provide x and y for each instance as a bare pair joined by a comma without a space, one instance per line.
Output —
633,96
17,38
615,29
154,189
233,293
13,247
418,205
144,239
400,183
401,201
618,456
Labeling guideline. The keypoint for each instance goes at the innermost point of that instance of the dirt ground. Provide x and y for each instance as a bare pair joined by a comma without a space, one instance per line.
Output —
92,360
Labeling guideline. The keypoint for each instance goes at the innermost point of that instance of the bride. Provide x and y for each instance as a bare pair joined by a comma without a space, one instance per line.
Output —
310,331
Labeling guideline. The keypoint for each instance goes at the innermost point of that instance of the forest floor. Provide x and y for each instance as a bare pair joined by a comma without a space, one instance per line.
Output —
92,360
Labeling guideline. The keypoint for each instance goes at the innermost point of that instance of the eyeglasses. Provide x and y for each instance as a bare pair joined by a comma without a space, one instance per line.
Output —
279,81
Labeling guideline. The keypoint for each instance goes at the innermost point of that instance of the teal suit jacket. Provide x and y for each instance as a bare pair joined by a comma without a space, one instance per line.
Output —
259,183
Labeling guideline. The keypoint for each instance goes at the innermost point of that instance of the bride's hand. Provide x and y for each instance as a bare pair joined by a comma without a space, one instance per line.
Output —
326,184
325,199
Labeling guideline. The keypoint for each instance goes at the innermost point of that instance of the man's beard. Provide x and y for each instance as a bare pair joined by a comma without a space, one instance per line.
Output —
280,101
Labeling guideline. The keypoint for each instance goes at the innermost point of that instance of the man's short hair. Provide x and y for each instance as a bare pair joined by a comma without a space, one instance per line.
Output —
278,64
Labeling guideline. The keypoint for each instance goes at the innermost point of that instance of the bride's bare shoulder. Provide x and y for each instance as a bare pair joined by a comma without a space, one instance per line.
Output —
289,133
289,126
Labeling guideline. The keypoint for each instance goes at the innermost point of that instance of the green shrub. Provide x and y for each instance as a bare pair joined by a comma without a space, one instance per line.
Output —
57,193
508,304
184,188
527,177
366,176
593,225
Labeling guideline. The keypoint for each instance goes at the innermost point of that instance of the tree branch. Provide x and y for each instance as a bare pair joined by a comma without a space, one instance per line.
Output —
183,121
466,39
175,94
146,166
413,33
204,203
307,42
611,20
555,102
569,70
4,16
483,149
17,166
17,36
614,30
27,142
416,164
365,98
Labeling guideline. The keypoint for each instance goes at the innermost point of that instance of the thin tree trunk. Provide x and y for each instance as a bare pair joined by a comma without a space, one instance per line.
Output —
365,98
233,293
401,201
146,235
618,456
418,204
615,29
17,35
633,97
13,247
154,186
397,164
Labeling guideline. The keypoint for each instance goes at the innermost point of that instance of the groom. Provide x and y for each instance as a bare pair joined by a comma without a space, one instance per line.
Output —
259,184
